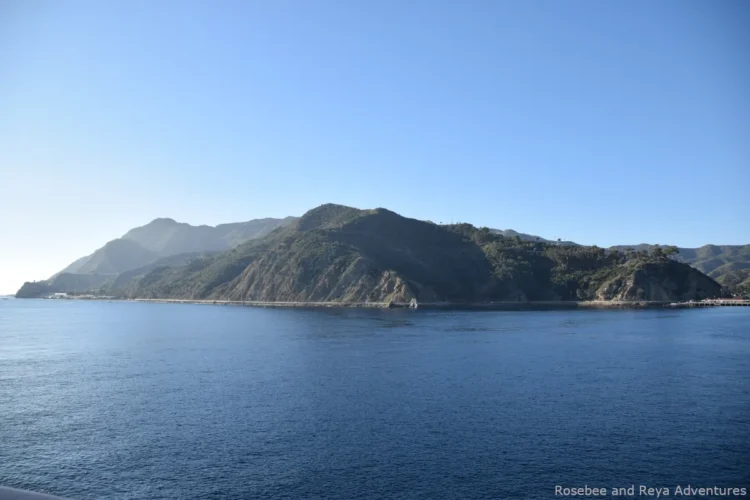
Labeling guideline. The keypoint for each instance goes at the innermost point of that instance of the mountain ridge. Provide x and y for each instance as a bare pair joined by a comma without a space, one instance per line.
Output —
164,237
339,253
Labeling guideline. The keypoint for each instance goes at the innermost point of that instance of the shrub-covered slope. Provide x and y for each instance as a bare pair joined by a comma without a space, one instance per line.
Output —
337,253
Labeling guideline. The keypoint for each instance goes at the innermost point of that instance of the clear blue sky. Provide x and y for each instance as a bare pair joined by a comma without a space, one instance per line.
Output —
603,122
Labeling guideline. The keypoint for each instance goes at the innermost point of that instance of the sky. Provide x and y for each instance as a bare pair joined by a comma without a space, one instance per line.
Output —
615,122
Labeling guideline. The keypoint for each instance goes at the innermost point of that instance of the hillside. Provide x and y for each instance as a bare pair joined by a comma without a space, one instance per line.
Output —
64,282
737,282
165,237
237,233
709,257
336,253
727,264
75,266
120,263
510,233
127,281
117,256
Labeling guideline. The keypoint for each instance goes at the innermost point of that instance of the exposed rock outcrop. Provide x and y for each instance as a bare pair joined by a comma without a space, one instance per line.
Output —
661,281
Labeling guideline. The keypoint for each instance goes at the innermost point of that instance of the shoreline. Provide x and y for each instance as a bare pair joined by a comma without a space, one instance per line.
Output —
475,306
540,305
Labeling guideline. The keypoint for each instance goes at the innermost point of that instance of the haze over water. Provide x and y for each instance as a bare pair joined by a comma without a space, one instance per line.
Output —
127,400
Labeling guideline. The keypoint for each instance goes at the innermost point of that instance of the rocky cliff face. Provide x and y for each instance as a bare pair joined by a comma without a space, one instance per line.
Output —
348,280
661,281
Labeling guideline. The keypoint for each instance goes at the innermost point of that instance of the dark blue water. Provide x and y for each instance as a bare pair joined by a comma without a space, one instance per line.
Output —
125,400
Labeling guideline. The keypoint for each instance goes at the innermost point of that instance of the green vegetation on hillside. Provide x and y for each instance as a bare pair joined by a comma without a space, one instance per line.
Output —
336,253
737,282
35,289
127,282
724,263
64,282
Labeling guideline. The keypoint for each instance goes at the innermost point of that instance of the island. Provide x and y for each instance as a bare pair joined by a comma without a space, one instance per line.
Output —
339,255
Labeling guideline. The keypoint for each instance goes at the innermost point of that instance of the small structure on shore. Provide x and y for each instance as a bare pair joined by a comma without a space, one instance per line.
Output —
413,304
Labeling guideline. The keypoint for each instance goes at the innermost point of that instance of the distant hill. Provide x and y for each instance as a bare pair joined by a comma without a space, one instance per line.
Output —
115,257
165,237
161,242
237,233
76,265
338,253
737,281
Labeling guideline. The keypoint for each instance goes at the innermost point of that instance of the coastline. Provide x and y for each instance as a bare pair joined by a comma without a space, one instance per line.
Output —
474,306
541,305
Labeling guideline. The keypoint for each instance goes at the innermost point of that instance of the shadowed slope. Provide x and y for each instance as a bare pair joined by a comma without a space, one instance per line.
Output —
338,253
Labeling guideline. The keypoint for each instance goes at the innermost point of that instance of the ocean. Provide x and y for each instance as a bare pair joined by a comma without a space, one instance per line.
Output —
124,400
